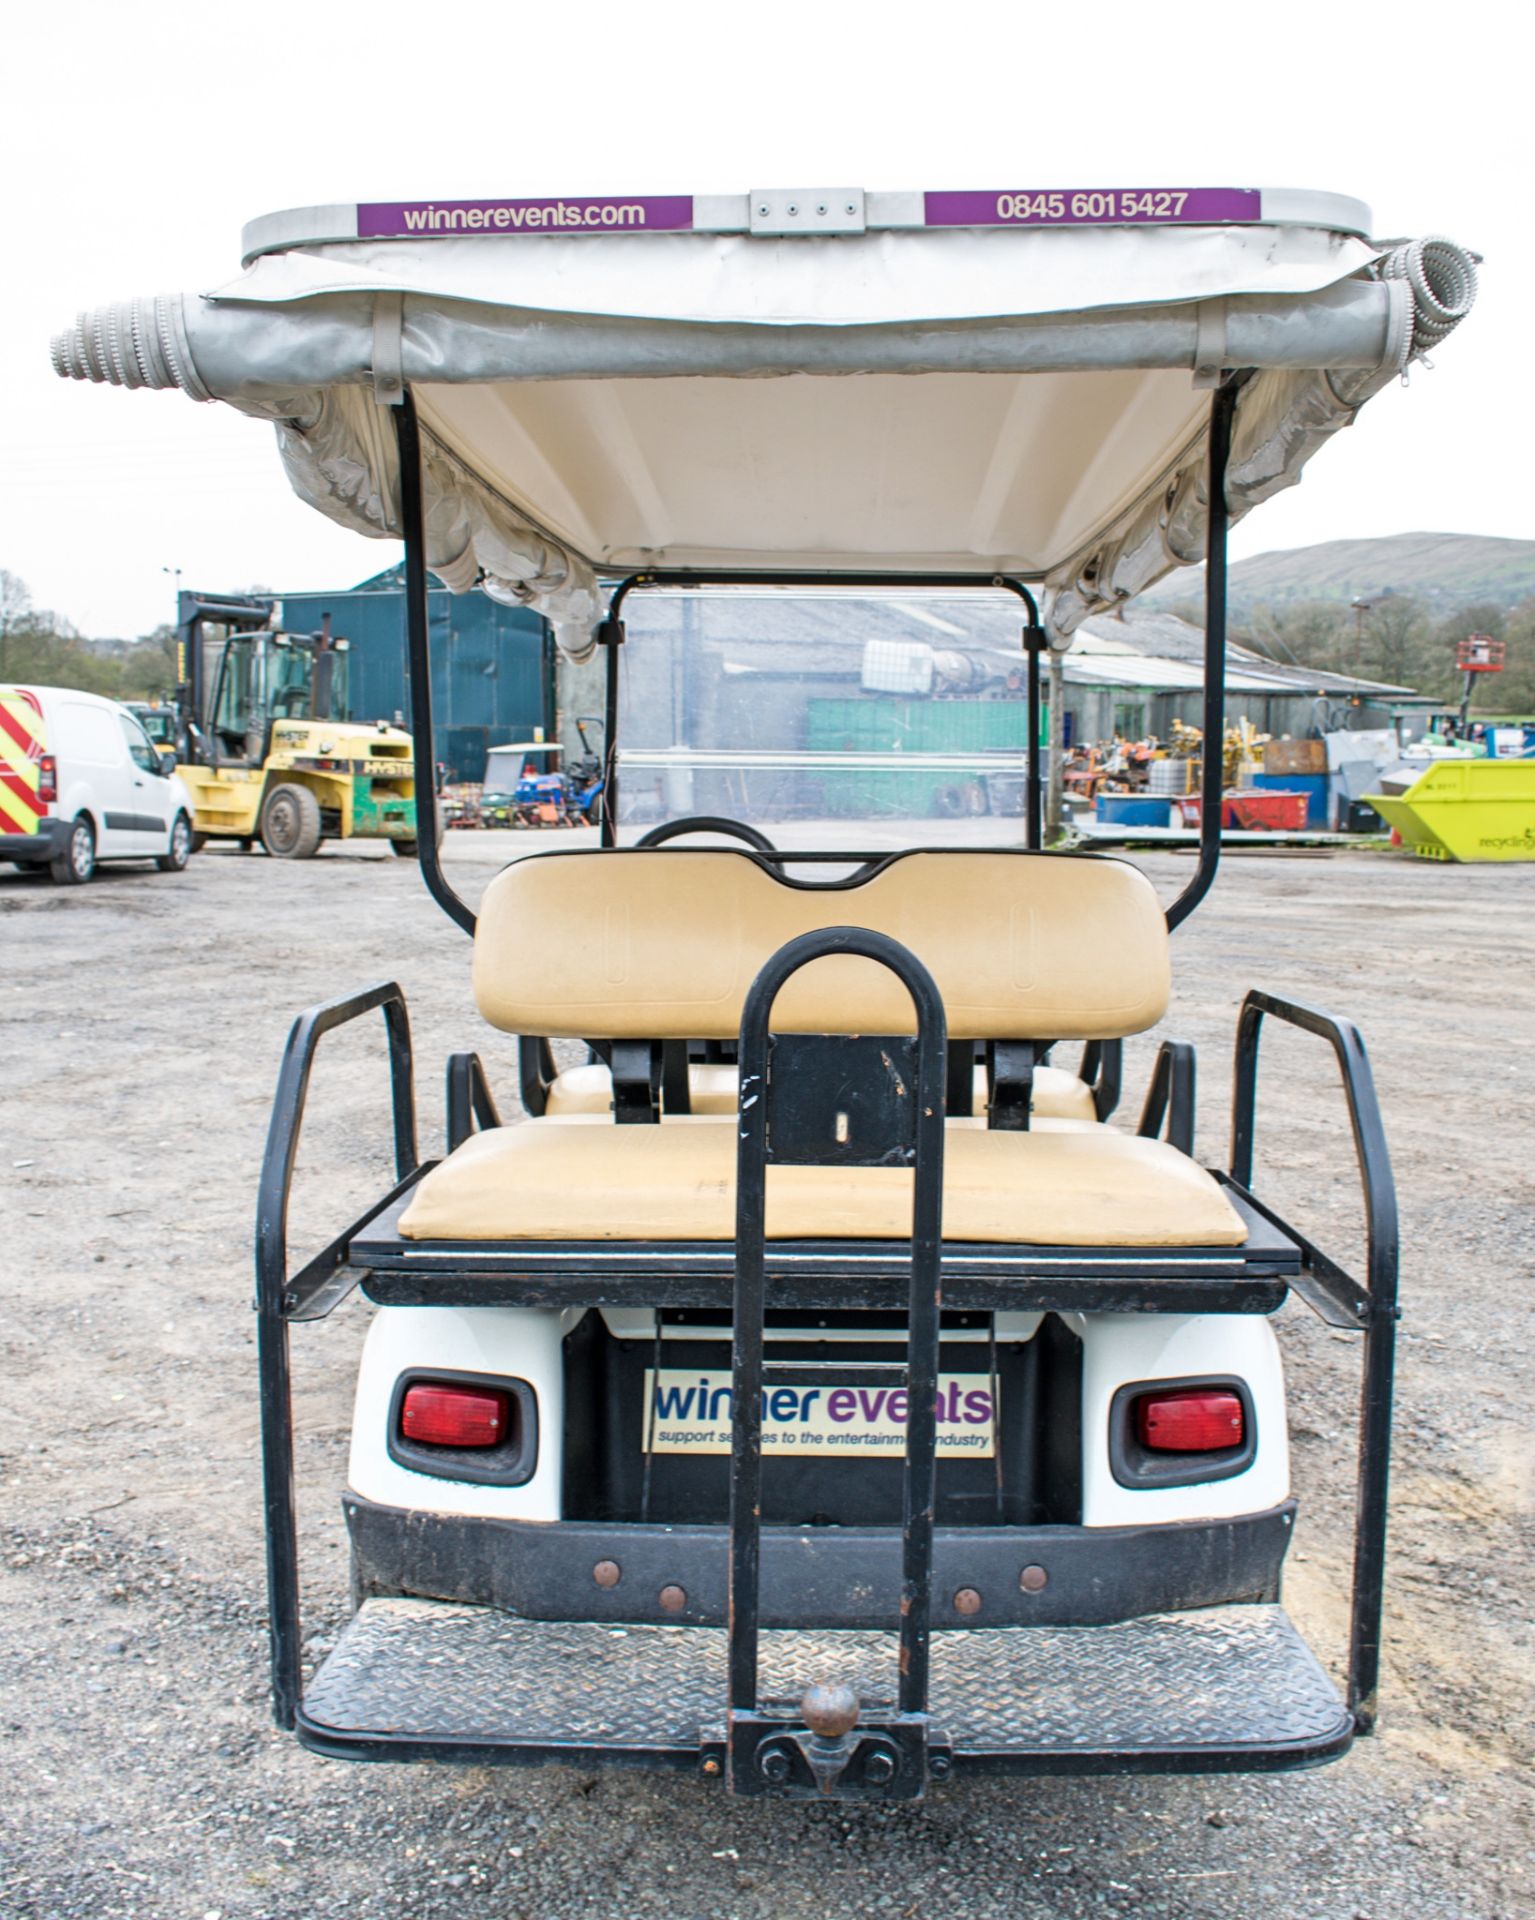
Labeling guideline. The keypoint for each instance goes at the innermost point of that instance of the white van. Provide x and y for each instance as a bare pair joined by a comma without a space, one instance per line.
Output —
80,782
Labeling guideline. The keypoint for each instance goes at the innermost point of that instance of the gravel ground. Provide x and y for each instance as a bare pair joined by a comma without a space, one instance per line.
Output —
144,1017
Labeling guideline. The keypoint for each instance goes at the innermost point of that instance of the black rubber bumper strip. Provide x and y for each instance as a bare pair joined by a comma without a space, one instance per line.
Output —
819,1576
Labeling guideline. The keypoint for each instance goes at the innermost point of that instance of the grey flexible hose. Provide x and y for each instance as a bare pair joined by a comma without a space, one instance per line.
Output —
143,343
1442,277
132,343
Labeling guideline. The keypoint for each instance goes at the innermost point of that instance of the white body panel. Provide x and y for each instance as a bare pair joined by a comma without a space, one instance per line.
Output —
1120,1347
93,768
525,1344
151,801
522,1343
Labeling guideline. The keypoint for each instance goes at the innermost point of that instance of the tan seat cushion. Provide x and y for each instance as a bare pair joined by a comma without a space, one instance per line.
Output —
1058,1095
662,943
1064,1184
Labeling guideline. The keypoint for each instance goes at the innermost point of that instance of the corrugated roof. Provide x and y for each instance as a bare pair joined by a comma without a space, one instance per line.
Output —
1153,630
1147,648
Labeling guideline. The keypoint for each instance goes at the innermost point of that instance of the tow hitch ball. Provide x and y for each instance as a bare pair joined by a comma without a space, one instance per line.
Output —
831,1756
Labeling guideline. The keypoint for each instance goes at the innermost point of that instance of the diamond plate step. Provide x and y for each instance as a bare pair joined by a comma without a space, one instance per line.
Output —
1221,1687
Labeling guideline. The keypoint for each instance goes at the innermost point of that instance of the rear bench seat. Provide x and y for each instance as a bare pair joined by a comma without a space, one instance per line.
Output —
664,944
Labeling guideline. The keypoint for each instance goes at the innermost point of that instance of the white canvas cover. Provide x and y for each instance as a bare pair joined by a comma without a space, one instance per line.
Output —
961,393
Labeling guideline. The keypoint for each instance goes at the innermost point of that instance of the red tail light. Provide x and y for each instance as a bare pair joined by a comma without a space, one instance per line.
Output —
1196,1420
444,1416
47,778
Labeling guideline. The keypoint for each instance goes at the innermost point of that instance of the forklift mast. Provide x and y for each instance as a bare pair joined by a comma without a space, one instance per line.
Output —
236,613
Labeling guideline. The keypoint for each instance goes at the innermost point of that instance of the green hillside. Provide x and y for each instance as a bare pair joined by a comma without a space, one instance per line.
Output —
1439,569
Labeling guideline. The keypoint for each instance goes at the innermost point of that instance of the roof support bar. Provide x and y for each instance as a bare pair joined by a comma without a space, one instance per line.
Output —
1034,644
610,637
1212,784
775,577
419,656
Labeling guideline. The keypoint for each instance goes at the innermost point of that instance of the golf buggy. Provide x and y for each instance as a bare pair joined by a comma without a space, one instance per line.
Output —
816,1389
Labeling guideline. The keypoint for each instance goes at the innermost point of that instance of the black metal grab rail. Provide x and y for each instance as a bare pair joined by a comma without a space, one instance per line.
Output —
280,1298
706,823
470,1100
916,1068
1372,1308
1103,1070
1170,1095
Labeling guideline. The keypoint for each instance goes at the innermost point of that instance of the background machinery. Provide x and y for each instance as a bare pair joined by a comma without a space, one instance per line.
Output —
264,738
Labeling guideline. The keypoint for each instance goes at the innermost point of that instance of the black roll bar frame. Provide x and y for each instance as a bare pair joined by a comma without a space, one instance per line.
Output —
1339,1299
311,1293
328,1278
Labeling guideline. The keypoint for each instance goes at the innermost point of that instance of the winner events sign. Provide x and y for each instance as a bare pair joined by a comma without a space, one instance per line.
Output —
689,1412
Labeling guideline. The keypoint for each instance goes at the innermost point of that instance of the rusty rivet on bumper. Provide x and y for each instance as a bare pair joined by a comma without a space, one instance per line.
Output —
1033,1579
674,1599
607,1573
967,1600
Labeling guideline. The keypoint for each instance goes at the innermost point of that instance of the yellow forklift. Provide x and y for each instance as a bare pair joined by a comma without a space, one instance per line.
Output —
264,738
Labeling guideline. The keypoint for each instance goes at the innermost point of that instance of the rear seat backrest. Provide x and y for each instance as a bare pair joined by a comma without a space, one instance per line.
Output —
663,944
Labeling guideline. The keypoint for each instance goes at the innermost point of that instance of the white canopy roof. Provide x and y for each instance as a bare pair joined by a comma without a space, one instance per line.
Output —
1008,382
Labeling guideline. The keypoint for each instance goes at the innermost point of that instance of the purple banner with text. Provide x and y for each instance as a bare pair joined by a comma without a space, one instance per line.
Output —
398,219
1095,207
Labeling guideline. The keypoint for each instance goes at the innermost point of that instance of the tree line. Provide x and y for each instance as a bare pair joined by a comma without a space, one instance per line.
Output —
40,646
1396,638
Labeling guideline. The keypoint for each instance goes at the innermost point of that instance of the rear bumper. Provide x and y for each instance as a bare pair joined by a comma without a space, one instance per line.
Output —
841,1578
51,836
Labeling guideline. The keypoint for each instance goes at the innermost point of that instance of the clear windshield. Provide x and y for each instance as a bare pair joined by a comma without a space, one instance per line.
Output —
826,719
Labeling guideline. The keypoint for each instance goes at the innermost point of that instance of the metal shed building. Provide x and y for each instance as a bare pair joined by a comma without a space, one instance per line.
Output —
743,672
492,666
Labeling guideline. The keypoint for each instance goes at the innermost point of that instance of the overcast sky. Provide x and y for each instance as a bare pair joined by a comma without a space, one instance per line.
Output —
136,142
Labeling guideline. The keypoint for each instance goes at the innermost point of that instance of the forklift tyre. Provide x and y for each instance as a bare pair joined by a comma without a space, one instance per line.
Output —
406,849
290,823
